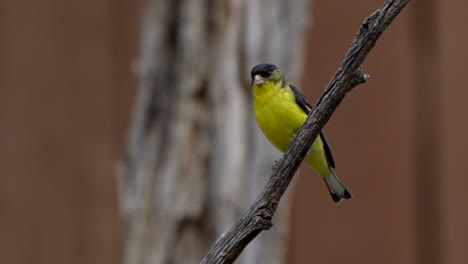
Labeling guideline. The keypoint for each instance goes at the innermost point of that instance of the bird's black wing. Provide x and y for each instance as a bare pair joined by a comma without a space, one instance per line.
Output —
302,102
327,149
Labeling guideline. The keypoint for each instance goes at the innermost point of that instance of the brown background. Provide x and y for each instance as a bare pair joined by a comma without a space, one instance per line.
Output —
66,89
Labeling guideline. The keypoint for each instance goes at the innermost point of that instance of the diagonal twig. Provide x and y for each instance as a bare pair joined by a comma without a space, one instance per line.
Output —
349,74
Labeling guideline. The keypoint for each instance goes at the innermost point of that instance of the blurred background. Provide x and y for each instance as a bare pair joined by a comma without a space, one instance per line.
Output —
127,134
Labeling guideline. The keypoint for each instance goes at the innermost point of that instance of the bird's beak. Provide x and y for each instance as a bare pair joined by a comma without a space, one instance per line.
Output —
257,78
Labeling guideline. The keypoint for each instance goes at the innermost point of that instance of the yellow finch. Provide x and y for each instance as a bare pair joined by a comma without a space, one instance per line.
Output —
280,110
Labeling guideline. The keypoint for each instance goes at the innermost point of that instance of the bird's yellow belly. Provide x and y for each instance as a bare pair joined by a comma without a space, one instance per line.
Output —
279,120
279,117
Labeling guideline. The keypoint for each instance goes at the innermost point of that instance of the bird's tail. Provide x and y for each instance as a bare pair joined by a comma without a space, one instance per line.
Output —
336,188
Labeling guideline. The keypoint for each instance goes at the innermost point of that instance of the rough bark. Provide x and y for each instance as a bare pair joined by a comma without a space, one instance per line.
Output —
349,74
195,158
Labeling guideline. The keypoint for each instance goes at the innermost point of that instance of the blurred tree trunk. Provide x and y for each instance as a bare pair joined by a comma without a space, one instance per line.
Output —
195,158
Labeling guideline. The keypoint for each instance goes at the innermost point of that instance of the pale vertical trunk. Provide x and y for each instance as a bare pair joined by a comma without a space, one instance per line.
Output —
195,157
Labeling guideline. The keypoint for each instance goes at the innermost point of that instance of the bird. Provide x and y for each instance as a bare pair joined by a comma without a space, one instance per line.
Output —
281,110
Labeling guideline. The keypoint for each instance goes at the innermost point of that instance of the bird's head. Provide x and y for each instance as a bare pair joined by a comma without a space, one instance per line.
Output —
266,73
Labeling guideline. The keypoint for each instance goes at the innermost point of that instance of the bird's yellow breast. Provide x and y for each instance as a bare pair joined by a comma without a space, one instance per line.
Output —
277,113
280,117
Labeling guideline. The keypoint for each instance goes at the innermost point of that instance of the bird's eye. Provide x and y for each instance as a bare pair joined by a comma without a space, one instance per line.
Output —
265,74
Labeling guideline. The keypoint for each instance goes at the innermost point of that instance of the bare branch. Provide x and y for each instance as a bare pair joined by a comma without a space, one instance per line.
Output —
228,247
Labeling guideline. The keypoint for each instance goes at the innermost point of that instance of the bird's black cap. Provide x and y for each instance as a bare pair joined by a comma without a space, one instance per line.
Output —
264,70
